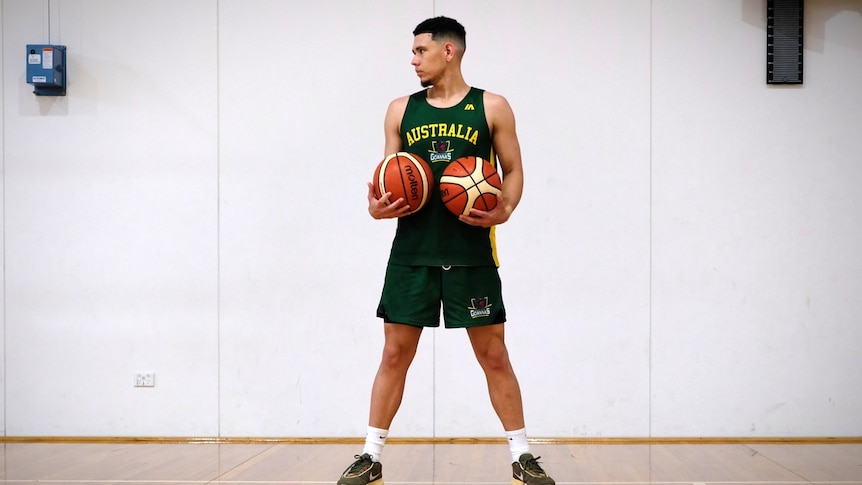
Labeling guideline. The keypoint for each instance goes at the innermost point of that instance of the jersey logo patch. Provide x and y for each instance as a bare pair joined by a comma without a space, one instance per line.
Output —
469,107
441,151
479,307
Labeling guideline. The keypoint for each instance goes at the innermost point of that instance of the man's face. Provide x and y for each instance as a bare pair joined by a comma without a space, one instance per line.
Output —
429,59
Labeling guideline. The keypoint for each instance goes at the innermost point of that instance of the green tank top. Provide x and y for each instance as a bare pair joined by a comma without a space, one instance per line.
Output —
433,236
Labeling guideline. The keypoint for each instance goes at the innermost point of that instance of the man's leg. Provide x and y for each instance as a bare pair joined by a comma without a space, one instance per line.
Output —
399,349
490,348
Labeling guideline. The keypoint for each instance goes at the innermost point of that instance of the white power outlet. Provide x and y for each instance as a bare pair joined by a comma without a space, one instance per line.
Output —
145,380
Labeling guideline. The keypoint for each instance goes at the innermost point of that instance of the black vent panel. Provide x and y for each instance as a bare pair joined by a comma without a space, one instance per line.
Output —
784,41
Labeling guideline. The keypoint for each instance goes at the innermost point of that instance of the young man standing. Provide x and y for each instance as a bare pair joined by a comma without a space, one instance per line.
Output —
439,258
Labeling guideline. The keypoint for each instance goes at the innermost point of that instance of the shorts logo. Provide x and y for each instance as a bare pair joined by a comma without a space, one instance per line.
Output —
479,307
441,151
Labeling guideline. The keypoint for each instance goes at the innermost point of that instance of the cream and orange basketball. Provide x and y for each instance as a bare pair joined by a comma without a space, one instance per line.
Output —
405,175
470,182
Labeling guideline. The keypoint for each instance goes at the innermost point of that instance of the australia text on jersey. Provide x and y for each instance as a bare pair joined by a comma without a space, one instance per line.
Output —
451,130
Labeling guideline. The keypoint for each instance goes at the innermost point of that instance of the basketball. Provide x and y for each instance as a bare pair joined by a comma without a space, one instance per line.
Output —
405,175
470,182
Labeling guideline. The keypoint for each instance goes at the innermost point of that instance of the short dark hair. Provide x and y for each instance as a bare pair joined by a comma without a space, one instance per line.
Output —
443,28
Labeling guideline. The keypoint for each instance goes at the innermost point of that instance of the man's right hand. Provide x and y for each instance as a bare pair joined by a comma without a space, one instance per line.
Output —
381,209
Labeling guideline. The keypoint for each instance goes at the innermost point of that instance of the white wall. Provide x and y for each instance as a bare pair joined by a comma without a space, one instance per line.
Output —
756,226
682,263
575,259
111,221
2,245
301,262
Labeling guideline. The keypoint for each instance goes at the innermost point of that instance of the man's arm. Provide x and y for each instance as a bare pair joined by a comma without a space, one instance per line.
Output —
504,138
378,208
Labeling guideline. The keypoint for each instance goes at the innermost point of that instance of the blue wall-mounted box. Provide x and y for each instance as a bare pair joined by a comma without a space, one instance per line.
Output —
46,69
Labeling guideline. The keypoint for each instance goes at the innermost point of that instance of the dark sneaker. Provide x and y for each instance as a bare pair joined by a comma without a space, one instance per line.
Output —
363,471
527,471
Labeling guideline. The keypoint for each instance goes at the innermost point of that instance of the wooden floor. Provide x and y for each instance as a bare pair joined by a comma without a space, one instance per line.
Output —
696,464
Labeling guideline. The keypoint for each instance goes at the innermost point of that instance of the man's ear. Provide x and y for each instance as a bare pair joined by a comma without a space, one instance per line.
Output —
450,50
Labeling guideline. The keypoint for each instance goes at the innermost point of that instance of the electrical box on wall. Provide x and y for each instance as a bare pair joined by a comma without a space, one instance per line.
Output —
46,69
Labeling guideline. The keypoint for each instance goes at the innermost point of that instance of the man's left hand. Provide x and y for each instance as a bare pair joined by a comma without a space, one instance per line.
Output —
497,215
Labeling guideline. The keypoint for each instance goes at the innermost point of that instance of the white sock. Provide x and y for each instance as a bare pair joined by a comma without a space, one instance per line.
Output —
518,443
374,441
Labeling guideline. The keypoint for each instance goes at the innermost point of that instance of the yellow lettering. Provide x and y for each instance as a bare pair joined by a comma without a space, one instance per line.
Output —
439,130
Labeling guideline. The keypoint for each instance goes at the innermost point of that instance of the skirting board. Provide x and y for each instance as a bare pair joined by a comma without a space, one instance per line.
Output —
437,440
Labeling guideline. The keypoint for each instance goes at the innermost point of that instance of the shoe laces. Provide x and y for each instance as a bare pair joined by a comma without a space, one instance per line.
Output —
362,461
532,466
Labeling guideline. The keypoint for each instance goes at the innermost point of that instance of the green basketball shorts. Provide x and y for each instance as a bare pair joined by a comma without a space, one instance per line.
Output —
471,296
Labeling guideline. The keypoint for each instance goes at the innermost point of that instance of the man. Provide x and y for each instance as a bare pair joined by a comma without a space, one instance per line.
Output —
438,257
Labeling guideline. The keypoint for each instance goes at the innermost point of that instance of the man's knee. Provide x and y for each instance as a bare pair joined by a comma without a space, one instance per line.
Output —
400,345
397,355
495,359
490,349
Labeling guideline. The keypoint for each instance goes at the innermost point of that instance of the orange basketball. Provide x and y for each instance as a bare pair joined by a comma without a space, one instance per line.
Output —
470,182
405,175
